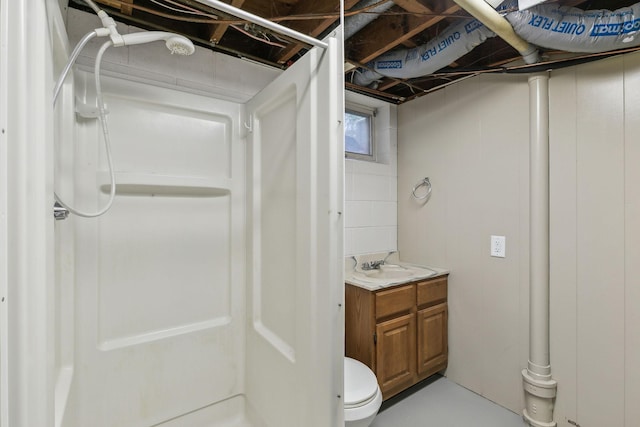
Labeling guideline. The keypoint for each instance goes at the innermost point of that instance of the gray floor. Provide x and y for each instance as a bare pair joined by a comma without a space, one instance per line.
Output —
443,403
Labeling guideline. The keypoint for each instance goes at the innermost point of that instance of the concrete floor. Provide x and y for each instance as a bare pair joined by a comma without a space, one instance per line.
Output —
439,402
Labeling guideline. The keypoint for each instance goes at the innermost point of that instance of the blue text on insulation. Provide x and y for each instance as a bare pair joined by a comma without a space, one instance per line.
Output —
442,45
473,25
387,65
550,24
616,29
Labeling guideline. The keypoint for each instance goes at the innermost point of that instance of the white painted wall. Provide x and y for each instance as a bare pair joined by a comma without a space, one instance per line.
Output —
595,242
371,187
472,140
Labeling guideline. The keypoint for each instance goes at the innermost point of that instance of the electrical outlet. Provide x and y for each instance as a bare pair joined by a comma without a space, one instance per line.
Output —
498,246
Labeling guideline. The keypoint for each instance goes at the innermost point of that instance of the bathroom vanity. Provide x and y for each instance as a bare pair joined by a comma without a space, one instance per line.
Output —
399,331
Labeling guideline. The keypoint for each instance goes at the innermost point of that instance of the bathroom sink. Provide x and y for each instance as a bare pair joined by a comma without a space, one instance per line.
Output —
388,271
392,273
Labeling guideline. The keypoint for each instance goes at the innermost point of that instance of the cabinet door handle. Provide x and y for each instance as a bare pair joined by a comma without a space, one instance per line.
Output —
375,338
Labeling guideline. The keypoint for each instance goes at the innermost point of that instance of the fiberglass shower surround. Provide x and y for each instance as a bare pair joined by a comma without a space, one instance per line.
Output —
176,44
546,25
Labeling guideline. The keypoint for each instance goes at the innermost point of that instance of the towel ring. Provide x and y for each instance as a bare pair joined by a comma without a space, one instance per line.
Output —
424,182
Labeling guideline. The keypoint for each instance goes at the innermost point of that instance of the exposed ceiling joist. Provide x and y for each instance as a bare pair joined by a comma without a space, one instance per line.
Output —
220,29
387,32
127,10
312,27
407,24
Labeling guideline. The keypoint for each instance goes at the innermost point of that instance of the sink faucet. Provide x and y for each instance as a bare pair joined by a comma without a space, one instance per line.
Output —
373,265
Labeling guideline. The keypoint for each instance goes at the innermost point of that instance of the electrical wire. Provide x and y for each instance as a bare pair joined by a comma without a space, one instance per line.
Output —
213,19
189,10
263,40
183,8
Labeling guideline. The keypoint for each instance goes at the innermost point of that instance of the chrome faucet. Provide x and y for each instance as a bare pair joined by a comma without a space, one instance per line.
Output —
373,265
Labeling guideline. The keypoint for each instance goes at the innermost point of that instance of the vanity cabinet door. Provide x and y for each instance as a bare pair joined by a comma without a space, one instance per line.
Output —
396,352
432,339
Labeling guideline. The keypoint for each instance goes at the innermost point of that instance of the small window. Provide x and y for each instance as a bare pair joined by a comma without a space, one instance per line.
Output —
358,134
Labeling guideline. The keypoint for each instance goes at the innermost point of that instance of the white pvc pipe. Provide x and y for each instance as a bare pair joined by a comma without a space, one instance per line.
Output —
486,14
539,224
239,13
540,388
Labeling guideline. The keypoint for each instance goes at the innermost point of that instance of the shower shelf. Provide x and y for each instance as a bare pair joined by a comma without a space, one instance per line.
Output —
141,184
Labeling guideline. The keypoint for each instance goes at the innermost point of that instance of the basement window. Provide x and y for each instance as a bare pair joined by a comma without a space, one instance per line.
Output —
359,141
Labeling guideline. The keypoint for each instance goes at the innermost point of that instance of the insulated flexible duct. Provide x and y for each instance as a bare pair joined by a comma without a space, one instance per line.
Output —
575,30
547,25
353,24
456,41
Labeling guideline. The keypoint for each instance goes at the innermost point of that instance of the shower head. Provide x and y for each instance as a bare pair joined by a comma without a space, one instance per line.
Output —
175,43
180,45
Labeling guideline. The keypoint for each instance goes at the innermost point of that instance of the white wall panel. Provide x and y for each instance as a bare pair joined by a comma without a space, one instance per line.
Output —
295,336
460,135
275,292
27,280
563,175
469,139
163,273
159,313
499,185
600,242
146,144
632,237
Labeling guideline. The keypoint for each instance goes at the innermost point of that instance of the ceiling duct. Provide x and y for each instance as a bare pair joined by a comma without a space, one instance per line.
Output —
353,24
456,41
547,25
575,30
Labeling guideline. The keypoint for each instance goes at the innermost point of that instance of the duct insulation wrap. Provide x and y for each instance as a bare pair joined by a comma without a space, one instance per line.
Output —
575,30
456,41
353,24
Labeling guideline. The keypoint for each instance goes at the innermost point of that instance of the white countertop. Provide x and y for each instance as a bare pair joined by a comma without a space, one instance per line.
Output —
373,284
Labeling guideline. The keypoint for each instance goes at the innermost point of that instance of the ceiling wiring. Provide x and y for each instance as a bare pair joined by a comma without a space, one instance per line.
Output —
181,8
214,19
264,39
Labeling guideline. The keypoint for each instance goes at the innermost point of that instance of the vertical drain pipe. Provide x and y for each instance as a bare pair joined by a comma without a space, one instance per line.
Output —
539,386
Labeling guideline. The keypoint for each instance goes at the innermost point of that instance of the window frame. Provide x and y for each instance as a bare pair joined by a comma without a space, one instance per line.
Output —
371,114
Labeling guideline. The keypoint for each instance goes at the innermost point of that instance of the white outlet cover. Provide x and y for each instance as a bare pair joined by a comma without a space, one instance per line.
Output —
498,246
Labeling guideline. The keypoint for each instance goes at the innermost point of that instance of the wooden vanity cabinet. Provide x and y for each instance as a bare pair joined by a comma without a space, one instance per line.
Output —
400,332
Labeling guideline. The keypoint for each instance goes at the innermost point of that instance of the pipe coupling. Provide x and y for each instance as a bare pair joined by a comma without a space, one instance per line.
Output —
539,400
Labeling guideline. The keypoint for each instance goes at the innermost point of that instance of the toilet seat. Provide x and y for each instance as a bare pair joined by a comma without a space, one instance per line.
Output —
360,384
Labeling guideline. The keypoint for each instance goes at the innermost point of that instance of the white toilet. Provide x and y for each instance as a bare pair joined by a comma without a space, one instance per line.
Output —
362,396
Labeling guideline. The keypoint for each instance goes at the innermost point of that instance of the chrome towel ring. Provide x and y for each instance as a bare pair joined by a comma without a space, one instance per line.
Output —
423,183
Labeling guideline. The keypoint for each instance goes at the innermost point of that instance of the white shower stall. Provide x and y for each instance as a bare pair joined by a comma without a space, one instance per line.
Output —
210,294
